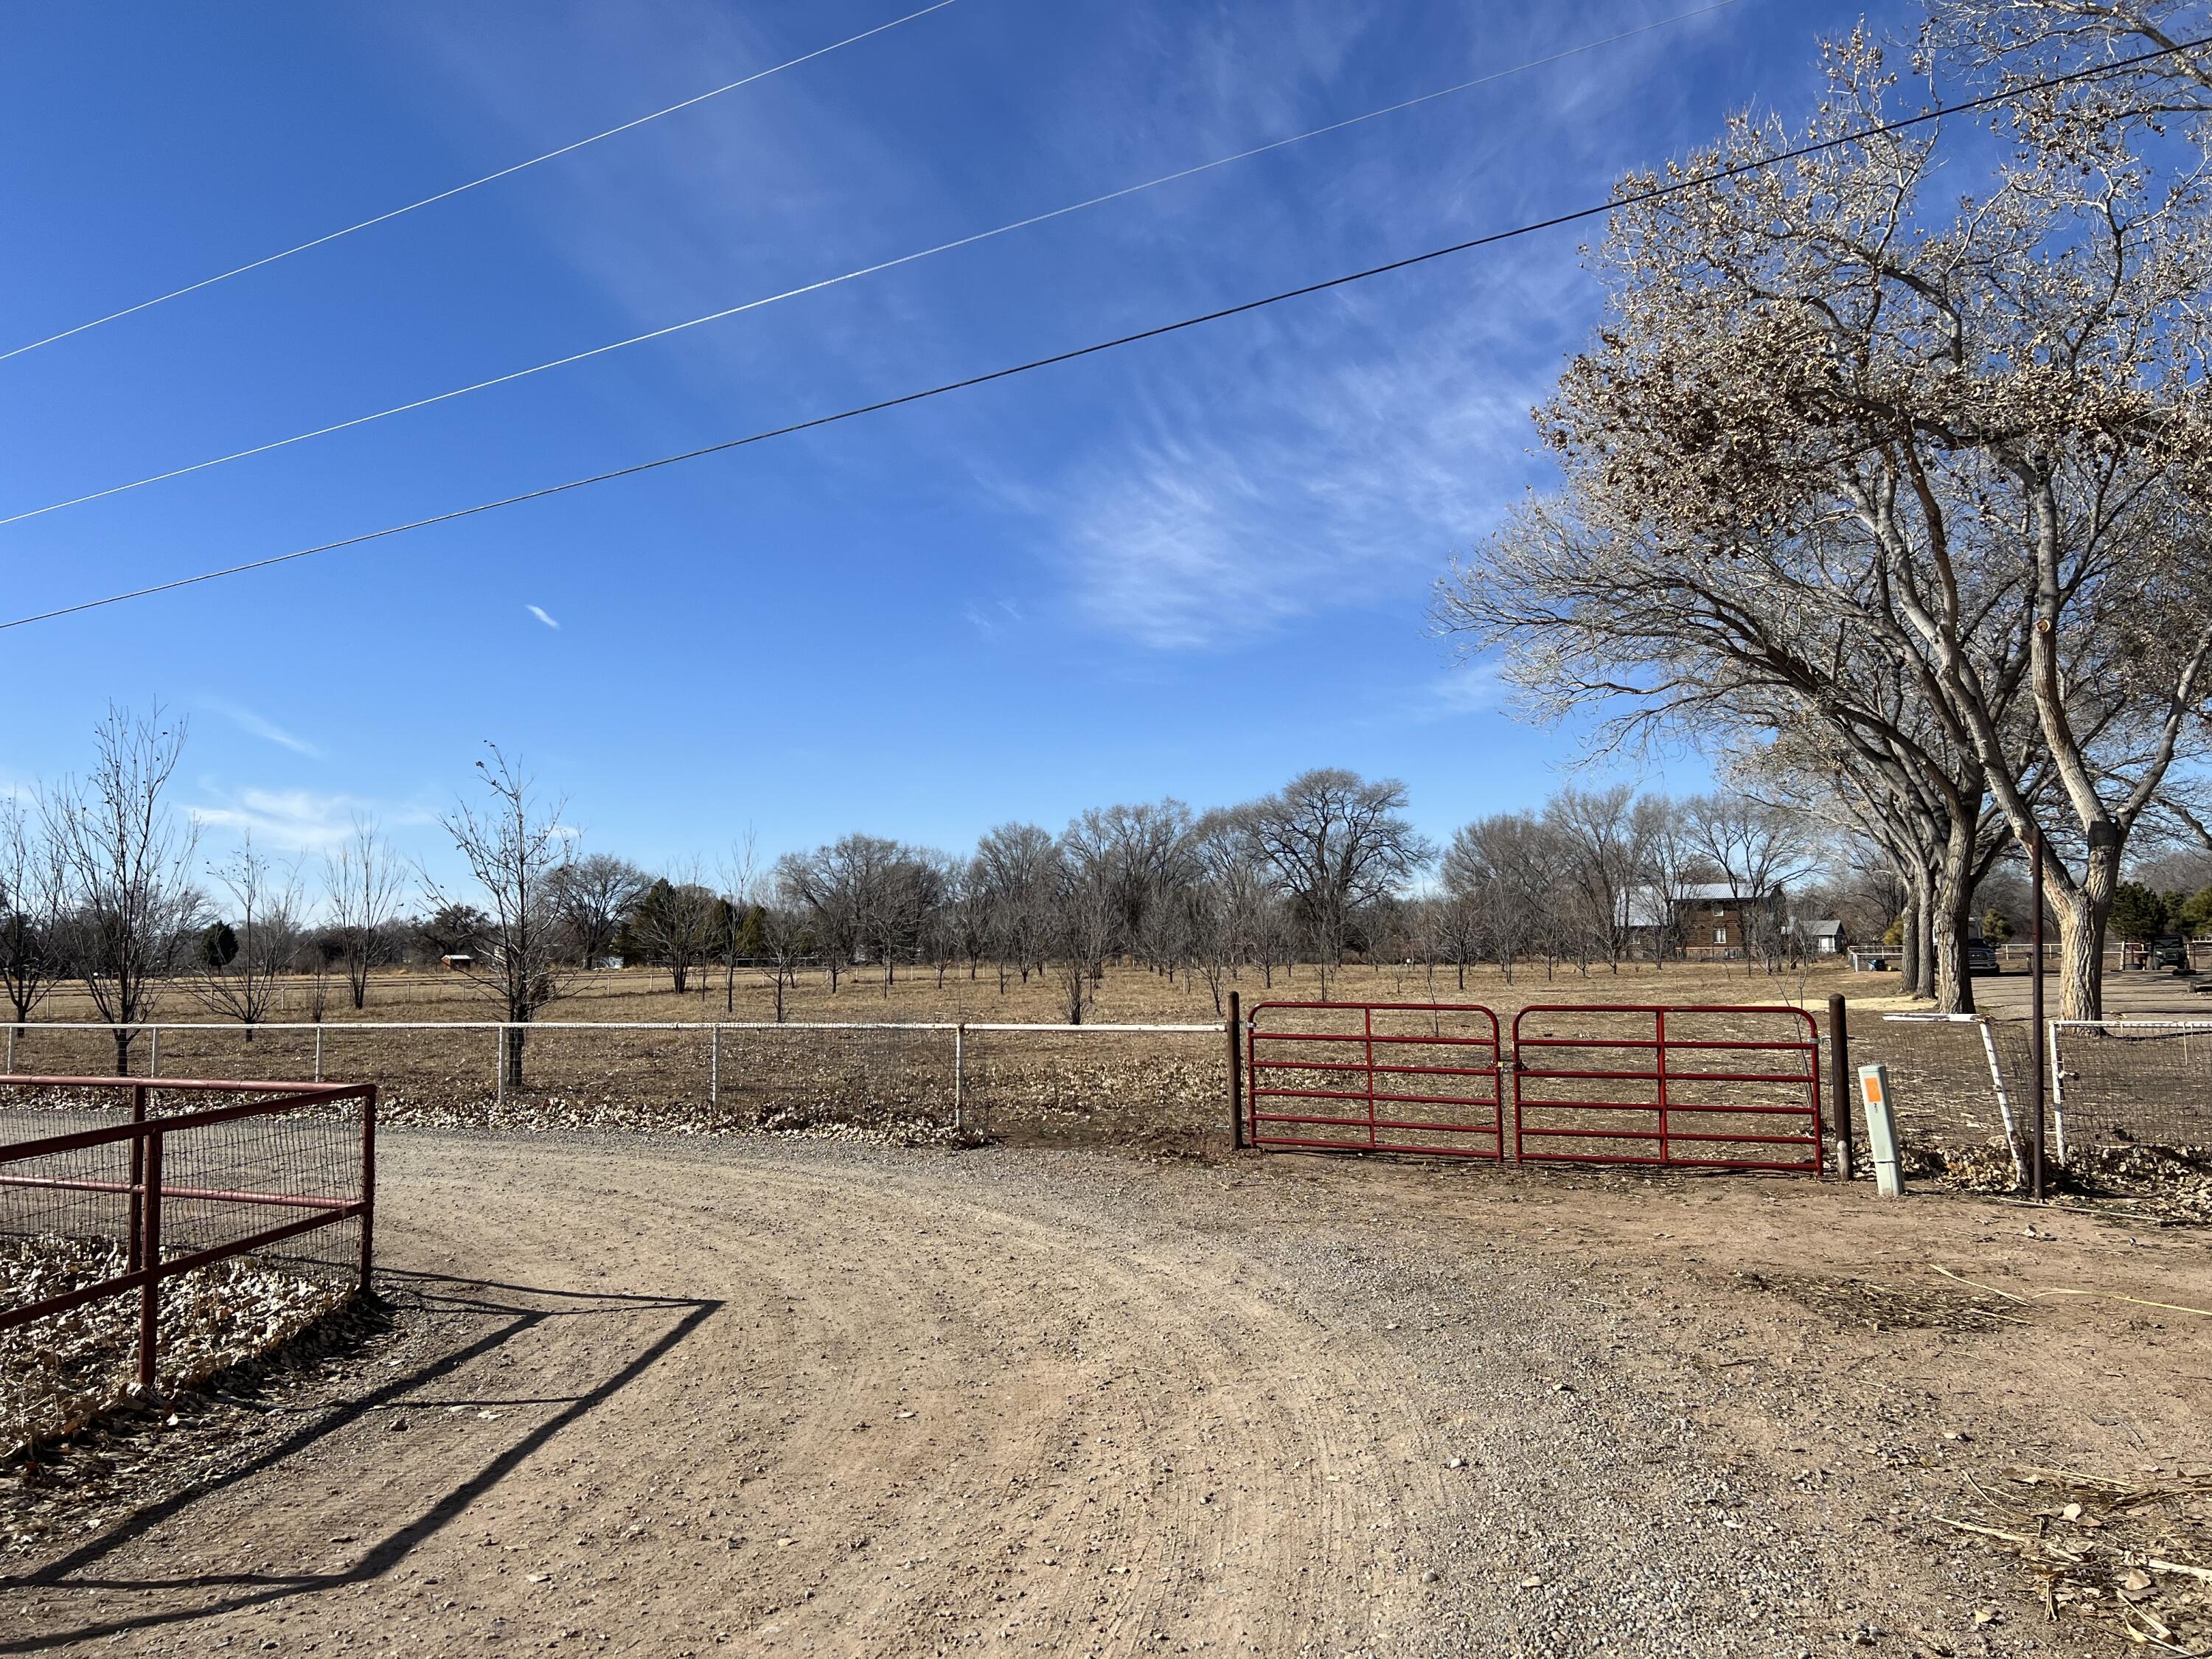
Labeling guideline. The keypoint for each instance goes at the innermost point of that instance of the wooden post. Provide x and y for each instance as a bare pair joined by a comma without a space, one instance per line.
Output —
1840,1082
150,1293
2035,1029
1236,1072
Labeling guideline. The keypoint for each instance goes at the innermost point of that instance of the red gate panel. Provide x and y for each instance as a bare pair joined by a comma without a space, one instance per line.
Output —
1723,1088
1384,1077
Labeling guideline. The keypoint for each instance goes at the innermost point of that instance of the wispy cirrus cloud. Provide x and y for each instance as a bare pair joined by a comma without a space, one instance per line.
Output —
1285,485
259,725
297,820
541,616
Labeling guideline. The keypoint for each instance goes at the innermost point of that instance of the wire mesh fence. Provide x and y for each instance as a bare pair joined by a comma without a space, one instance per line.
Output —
255,1212
2136,1098
1961,1089
1142,1084
909,1079
1963,1086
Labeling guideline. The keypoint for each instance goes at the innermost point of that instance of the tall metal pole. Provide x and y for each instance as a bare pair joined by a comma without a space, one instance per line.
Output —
1840,1082
2035,1005
368,1189
1236,1072
150,1293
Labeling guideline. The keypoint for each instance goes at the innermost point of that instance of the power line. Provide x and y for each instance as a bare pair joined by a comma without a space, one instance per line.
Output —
847,277
1632,198
473,183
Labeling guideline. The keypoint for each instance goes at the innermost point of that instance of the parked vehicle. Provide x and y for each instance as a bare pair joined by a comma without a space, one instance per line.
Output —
1982,958
2171,951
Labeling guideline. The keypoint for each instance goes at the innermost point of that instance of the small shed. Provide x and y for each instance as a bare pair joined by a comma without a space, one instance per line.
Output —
458,961
1824,939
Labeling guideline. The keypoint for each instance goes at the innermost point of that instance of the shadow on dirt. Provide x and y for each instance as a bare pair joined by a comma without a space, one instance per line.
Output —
490,1317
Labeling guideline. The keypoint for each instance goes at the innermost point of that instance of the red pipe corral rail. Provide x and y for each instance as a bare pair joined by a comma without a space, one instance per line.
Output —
147,1138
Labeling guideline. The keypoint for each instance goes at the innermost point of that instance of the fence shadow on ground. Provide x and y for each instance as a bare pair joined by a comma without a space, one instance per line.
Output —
514,1312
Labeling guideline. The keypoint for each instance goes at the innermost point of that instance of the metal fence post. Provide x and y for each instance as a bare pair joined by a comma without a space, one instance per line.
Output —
714,1070
1236,1030
154,1051
499,1065
11,1051
134,1245
319,1054
960,1079
368,1185
1839,1081
2035,1003
150,1293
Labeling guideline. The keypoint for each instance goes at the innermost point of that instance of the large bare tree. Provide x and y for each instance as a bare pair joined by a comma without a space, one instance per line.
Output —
125,858
515,846
592,895
1335,842
1837,419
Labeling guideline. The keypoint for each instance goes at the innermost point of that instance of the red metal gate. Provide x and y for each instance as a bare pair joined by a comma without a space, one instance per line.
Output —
1435,1087
1713,1088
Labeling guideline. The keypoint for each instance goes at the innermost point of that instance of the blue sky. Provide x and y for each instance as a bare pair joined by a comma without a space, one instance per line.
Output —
1192,567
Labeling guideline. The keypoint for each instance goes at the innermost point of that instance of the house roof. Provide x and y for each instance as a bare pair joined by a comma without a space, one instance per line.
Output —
1825,929
1646,907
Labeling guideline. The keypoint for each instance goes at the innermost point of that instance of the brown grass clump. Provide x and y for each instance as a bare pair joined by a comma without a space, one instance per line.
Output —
2132,1553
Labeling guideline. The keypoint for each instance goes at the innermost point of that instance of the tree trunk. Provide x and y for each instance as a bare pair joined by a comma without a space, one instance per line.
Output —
123,1051
1952,985
515,1035
1912,968
2082,915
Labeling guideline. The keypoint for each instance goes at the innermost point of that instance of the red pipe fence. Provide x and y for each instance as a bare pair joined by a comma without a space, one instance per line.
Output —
147,1138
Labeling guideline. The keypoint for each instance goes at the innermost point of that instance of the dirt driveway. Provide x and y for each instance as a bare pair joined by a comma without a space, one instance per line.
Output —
669,1397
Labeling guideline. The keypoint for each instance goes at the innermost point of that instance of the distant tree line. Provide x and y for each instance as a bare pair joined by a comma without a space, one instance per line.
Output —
100,886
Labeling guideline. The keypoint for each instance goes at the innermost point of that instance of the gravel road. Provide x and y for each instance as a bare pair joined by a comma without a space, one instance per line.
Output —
667,1397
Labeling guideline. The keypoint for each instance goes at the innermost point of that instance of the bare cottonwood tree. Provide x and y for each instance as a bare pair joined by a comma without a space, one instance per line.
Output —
1016,873
515,847
1837,419
31,957
592,895
125,858
1335,842
1085,921
257,899
362,883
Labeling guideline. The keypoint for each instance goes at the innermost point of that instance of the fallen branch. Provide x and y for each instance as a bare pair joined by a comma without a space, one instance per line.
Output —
2037,1296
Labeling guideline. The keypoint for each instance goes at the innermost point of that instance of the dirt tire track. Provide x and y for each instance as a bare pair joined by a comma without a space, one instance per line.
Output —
684,1397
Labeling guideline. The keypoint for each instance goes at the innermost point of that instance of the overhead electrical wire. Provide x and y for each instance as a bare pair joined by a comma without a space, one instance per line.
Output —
855,274
1632,198
473,183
